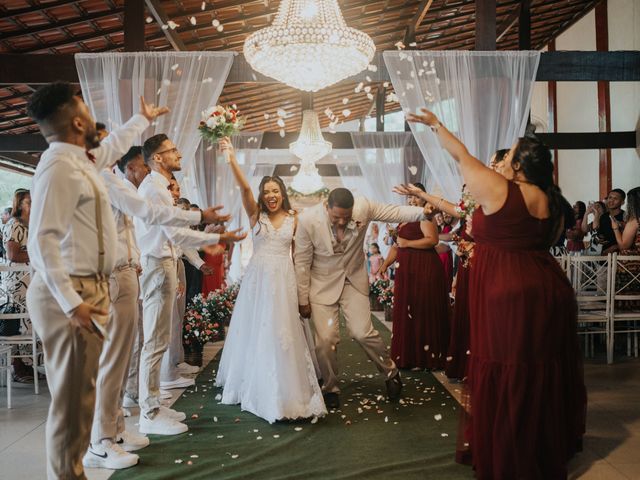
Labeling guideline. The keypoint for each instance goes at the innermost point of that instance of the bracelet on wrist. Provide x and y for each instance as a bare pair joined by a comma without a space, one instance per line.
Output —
435,127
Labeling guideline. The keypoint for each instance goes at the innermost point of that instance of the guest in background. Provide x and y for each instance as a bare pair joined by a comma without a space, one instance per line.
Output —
525,369
4,216
101,130
600,227
575,235
14,242
628,242
375,263
420,298
214,280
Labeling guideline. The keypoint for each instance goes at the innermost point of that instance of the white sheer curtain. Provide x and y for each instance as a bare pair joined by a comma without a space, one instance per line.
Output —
483,97
380,158
187,82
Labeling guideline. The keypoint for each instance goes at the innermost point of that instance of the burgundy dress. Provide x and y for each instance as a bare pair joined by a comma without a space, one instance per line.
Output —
526,384
420,306
459,339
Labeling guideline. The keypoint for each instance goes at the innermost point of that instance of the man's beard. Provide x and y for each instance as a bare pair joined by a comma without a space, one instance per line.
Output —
91,140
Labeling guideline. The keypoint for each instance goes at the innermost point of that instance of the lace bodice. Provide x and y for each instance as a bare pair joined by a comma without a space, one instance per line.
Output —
269,241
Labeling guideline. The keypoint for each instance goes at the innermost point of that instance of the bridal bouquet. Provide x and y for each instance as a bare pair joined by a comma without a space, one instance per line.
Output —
467,205
218,122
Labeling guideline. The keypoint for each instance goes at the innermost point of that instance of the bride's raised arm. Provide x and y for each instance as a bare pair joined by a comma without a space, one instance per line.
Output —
248,200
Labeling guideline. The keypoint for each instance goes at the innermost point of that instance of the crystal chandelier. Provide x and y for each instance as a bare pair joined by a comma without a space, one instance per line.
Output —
309,46
309,148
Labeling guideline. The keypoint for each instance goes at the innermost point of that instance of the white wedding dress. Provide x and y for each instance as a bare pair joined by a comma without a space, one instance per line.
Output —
266,366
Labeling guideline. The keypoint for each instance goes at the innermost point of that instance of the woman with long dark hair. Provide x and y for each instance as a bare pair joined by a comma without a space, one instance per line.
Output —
525,379
266,366
421,298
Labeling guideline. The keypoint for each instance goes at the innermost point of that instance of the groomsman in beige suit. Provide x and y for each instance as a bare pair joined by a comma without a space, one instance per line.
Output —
73,250
332,277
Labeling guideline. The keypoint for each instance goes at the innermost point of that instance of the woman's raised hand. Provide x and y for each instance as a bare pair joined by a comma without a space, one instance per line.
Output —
427,117
408,190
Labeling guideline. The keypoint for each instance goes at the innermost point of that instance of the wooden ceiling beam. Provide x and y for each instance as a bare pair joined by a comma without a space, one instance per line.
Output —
35,9
416,21
156,10
61,24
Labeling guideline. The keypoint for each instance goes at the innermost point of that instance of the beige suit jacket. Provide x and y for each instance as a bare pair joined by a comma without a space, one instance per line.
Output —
321,272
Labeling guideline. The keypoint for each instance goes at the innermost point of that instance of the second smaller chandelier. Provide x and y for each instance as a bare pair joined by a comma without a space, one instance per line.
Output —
309,46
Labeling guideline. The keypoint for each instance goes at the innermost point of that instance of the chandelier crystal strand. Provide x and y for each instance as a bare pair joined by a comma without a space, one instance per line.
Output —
309,148
309,46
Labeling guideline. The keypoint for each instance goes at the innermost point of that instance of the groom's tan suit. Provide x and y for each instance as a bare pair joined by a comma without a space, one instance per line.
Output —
332,276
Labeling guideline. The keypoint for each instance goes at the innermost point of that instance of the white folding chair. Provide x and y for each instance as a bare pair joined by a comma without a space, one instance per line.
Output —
590,277
5,367
625,301
30,340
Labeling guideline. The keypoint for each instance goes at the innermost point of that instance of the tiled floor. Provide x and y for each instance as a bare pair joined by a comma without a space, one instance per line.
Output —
611,450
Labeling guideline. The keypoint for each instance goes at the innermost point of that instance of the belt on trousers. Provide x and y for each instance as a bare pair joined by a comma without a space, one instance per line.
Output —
97,277
126,266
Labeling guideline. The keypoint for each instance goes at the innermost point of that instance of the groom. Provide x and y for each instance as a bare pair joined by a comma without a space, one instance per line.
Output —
331,274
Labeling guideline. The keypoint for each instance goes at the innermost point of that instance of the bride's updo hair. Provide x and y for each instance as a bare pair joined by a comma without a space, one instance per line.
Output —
286,204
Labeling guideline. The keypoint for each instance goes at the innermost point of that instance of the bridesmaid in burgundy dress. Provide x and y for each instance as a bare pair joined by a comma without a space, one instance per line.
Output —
420,298
526,385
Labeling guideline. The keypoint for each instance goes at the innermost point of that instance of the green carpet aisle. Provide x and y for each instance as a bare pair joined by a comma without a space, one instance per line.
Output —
367,438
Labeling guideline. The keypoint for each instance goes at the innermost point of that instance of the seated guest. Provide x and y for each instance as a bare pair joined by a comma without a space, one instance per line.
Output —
575,235
5,216
420,297
628,242
601,227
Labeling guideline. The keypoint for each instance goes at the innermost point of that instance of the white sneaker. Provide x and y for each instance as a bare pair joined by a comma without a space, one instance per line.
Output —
108,455
187,369
181,382
173,414
129,402
161,425
130,442
165,394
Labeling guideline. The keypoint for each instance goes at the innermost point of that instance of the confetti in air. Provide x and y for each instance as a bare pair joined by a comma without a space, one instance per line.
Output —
172,25
192,20
413,169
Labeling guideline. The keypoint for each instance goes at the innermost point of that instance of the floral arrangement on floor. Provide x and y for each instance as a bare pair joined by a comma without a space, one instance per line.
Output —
383,290
206,317
218,122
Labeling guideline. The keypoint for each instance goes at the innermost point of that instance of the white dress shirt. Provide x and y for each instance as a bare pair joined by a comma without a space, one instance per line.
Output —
127,204
156,240
63,235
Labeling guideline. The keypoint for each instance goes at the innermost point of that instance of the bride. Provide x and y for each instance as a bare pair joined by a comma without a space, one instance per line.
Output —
266,366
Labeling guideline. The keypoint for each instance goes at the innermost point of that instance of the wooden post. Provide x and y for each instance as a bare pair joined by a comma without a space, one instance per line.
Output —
134,26
380,97
524,26
485,24
552,107
604,99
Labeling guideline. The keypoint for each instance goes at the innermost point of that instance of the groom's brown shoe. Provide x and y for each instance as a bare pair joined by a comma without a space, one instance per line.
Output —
394,387
331,400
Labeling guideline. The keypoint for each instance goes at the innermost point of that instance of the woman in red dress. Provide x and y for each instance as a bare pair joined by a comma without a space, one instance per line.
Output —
444,250
420,297
525,379
215,281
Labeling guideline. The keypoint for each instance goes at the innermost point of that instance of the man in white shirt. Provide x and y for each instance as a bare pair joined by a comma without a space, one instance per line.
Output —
73,249
110,443
158,282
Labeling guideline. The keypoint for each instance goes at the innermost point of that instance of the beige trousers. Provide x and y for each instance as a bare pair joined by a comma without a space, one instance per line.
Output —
108,420
175,352
355,308
71,359
158,285
131,382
